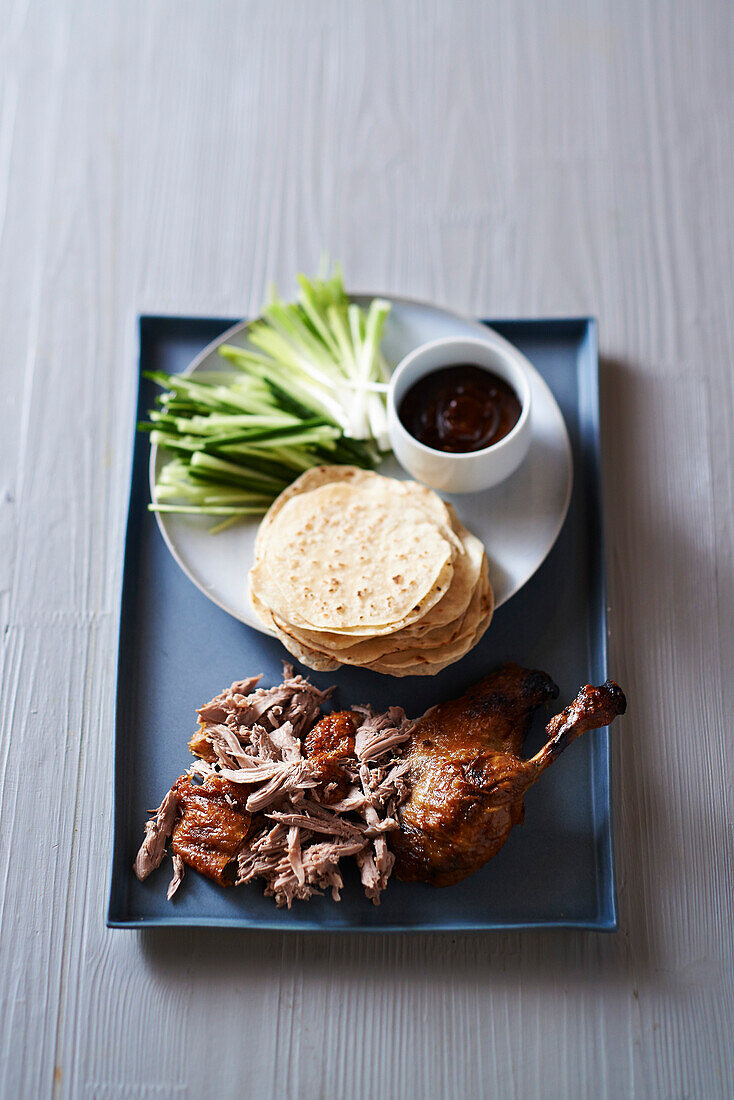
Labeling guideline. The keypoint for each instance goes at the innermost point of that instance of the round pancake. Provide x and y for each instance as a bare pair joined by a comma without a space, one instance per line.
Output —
309,657
437,624
423,667
353,568
342,557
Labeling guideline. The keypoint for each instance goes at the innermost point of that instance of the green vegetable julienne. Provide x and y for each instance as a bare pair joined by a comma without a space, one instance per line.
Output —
307,390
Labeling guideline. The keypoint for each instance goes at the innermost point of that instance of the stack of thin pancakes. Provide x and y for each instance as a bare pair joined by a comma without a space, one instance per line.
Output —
352,568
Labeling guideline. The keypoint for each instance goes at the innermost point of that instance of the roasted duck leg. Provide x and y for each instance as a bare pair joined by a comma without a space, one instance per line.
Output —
467,777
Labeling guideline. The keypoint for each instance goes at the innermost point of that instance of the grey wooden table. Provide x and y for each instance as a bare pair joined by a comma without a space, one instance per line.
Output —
512,158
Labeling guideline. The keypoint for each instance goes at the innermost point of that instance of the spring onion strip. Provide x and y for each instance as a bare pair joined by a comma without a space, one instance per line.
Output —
209,510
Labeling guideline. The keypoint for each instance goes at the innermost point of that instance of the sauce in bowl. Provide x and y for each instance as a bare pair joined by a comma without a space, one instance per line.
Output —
459,409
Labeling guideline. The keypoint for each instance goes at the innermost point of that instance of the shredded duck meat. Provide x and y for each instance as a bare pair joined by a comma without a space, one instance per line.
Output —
282,793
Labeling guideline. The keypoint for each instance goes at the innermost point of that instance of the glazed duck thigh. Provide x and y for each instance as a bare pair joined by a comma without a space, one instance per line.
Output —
467,778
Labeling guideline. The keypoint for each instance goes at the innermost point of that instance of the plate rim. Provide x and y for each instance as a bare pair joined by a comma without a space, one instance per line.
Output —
480,326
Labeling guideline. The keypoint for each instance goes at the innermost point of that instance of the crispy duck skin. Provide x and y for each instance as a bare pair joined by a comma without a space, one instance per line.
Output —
329,743
467,777
212,827
332,738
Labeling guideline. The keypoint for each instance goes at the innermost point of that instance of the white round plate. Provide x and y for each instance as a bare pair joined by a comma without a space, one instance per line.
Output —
518,521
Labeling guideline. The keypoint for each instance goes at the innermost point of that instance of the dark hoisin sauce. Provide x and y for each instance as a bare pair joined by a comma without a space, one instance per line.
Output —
461,408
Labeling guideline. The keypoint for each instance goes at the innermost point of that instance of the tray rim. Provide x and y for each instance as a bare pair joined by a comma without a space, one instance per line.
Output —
586,327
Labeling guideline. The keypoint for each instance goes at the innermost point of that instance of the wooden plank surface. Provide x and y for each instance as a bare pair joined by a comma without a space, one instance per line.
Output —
506,158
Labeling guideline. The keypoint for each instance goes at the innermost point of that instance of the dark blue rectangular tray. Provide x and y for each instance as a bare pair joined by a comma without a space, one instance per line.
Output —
177,650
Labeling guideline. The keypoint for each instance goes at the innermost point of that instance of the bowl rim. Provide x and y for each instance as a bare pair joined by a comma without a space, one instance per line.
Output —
508,354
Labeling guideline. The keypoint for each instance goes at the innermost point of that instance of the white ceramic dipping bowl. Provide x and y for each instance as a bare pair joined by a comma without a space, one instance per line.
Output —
469,471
